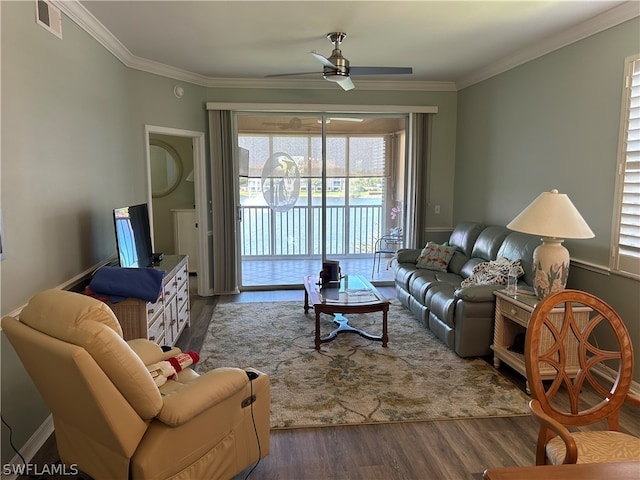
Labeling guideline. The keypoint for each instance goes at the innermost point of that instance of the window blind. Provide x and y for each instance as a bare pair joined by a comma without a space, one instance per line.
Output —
627,255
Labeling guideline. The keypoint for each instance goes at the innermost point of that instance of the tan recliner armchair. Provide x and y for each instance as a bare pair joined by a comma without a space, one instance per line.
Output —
111,419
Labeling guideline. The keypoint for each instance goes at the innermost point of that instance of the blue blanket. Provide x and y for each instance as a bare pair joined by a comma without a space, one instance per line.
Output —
120,283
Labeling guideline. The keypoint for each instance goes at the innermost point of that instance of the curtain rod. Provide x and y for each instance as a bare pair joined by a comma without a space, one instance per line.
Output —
323,108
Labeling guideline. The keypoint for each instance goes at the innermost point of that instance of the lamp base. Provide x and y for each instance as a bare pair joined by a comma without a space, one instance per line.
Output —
550,267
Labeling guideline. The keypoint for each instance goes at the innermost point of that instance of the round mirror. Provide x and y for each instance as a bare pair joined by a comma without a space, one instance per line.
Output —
166,168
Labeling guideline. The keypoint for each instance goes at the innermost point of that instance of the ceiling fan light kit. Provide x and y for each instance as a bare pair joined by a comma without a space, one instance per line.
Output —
336,68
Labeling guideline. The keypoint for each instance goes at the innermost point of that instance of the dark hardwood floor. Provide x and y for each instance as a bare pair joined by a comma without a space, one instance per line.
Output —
448,449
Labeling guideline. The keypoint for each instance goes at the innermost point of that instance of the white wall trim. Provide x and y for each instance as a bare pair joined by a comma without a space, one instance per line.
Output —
31,447
615,16
199,180
322,108
610,375
592,267
85,20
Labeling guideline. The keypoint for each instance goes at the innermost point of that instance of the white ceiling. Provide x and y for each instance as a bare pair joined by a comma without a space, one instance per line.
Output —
456,42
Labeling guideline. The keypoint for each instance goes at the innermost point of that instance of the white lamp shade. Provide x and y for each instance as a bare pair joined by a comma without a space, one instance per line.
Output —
552,215
554,218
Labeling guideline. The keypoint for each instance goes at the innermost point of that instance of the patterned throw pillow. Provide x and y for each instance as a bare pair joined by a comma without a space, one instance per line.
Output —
494,272
435,257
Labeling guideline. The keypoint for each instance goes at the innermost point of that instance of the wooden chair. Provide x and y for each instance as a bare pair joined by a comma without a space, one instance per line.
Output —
592,392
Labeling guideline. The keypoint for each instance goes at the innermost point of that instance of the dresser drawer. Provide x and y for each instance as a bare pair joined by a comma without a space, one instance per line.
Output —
157,330
514,312
169,290
153,309
183,317
183,295
183,275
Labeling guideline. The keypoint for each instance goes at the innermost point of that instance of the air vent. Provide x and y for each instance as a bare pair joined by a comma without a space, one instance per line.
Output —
48,17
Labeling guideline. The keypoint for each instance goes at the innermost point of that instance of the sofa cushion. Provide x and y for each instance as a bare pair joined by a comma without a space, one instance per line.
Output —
521,246
488,242
420,282
408,255
403,274
435,257
465,235
457,262
442,304
449,278
467,268
477,293
494,272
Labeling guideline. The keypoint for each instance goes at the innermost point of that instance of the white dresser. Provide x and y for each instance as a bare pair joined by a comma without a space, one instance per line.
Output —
161,322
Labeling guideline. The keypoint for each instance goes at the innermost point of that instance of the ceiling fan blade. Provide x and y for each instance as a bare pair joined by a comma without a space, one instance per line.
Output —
380,70
346,84
346,119
292,74
323,60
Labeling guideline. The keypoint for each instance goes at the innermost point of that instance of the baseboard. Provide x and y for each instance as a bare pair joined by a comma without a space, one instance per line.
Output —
32,446
610,375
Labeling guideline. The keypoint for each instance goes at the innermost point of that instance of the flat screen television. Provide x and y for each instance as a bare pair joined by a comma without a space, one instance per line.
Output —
133,236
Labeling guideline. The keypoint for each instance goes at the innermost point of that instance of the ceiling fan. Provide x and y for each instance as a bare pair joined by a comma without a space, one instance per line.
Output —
336,68
296,123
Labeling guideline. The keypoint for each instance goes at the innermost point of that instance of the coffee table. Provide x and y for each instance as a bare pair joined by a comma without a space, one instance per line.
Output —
352,294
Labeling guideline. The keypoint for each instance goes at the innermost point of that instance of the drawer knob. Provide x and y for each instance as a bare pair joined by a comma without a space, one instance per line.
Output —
513,311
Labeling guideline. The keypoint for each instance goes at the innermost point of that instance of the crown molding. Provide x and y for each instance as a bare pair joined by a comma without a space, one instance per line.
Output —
85,20
615,16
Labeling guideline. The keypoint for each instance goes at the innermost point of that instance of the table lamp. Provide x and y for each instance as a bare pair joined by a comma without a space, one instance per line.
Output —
554,218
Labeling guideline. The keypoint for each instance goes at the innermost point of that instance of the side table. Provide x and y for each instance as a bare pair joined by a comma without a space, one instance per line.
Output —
512,318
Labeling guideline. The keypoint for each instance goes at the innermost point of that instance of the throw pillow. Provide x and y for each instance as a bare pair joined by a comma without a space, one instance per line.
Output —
494,272
435,257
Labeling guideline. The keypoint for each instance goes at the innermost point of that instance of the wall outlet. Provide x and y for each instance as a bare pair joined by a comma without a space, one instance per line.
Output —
436,209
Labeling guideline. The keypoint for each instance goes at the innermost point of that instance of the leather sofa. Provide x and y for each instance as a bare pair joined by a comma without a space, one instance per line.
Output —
462,317
112,421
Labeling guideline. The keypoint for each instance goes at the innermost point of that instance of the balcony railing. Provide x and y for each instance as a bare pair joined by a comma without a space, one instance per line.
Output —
351,230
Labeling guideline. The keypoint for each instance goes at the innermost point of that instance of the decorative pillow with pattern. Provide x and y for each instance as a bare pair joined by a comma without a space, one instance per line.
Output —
435,257
494,272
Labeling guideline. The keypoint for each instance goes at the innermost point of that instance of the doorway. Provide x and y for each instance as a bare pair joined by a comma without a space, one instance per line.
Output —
314,186
183,202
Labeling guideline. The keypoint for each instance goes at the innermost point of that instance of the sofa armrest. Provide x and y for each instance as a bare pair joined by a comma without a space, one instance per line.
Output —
209,389
408,255
477,293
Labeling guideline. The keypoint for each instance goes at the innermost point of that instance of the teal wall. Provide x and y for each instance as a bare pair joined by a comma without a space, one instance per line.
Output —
553,123
66,151
73,148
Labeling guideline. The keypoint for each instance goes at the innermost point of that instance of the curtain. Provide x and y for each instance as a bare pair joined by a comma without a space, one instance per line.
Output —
223,204
417,181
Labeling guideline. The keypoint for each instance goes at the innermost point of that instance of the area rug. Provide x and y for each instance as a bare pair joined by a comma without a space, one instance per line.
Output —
352,380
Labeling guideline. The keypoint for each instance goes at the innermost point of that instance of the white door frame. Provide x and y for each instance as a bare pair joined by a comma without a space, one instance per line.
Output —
199,176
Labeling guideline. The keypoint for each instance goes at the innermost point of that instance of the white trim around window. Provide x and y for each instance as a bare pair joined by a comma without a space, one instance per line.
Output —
625,248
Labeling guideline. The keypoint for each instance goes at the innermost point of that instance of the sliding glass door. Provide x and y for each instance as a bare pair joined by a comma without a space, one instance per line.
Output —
314,187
